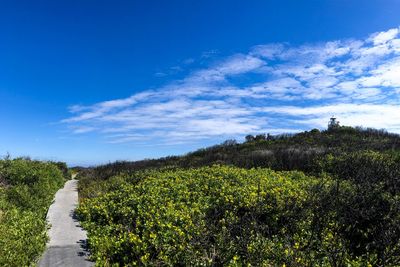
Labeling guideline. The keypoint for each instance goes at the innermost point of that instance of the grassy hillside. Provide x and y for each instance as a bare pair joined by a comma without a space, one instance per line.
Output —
27,189
282,152
175,211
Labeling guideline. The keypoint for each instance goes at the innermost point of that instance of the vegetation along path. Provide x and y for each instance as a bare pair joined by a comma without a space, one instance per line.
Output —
67,238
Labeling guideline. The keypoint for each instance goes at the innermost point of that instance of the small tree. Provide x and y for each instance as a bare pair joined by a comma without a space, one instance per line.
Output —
249,138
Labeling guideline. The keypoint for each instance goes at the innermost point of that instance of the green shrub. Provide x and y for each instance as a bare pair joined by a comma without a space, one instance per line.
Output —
206,216
369,214
27,192
368,168
227,216
22,237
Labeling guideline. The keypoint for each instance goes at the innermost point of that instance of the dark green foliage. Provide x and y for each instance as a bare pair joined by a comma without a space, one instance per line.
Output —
62,166
26,191
370,214
368,168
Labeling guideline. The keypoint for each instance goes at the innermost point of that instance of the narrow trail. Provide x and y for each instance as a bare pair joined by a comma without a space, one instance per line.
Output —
67,238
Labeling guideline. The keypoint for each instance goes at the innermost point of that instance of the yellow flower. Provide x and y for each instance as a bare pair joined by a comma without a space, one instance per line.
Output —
153,235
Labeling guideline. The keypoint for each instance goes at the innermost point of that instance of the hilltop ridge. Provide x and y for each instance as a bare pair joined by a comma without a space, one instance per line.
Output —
298,151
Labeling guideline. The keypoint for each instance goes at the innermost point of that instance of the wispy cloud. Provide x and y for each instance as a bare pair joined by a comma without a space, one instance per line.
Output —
271,88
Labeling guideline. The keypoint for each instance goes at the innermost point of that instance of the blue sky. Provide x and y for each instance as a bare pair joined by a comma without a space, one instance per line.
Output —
89,82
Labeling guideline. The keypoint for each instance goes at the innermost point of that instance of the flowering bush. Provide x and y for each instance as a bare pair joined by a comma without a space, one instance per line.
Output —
207,216
228,216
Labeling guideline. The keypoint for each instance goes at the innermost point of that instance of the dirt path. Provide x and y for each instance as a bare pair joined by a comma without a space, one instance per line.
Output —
67,238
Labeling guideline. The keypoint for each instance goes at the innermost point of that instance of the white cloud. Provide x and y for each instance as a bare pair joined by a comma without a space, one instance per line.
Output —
235,65
296,87
384,37
367,115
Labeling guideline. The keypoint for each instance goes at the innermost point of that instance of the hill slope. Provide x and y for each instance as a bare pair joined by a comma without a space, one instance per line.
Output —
282,152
